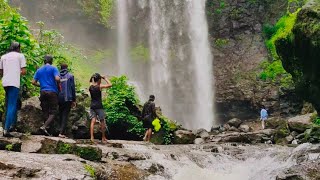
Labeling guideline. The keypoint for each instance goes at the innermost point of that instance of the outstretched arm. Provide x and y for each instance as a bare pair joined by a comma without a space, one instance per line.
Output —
107,85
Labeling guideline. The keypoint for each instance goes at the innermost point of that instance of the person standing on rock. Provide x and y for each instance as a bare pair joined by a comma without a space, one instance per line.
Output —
97,113
12,66
48,78
148,115
263,116
67,97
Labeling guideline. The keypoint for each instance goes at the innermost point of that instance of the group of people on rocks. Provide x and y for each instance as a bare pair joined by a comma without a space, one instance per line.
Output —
57,94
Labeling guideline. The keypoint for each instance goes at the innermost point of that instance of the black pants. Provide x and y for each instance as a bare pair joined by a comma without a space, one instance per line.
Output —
64,110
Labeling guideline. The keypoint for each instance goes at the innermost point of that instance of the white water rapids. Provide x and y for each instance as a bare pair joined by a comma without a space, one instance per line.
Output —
228,162
179,69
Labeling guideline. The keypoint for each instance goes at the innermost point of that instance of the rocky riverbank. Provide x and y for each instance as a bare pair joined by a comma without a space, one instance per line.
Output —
39,157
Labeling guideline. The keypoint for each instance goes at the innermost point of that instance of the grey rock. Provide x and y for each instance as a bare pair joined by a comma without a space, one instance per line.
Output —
202,133
184,137
244,128
289,139
300,123
234,122
199,141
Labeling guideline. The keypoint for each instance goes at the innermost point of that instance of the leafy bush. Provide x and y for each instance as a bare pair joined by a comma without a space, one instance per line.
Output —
317,121
123,114
120,119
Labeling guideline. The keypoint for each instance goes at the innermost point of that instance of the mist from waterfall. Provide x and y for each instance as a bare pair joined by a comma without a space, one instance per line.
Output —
179,72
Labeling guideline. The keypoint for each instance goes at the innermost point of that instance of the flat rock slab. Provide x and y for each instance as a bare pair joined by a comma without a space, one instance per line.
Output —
40,166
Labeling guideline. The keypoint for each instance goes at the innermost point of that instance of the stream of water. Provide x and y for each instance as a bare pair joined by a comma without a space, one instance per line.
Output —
242,162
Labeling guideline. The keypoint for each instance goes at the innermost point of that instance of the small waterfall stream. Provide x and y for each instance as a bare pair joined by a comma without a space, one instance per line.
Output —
179,70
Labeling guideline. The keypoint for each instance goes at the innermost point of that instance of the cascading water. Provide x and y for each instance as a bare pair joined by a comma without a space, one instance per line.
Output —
123,37
180,68
202,59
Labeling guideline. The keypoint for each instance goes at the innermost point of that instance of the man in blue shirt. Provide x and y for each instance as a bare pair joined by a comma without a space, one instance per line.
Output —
47,78
263,116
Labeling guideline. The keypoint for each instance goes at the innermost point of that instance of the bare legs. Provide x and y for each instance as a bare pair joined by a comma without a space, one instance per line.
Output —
147,135
102,128
263,124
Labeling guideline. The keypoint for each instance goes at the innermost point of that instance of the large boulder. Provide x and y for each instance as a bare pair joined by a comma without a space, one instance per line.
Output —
30,118
300,123
184,137
299,52
202,133
235,122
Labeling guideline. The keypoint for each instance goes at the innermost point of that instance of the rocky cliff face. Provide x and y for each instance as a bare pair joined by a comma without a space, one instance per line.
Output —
236,35
300,52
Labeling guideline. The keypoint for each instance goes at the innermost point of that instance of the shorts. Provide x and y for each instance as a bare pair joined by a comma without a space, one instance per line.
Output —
97,113
147,123
264,119
49,102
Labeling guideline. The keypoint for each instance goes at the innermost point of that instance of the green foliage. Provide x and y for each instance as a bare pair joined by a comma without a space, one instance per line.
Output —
316,121
168,127
9,147
99,10
88,153
221,42
283,28
121,96
140,53
64,148
216,6
106,11
273,70
90,170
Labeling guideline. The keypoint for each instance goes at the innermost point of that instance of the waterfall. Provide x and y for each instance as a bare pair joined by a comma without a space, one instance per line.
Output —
123,37
202,59
180,65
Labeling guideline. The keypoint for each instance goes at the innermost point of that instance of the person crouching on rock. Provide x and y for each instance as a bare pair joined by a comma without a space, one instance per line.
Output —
48,78
263,116
97,113
148,115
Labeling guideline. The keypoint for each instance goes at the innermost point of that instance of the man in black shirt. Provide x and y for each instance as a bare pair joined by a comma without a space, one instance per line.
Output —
148,115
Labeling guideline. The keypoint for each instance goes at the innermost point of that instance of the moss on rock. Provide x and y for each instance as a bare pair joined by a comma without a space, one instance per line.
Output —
299,52
88,152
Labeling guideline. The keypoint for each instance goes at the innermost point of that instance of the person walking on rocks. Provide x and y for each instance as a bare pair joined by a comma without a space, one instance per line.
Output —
148,115
263,116
48,78
12,66
97,113
67,97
